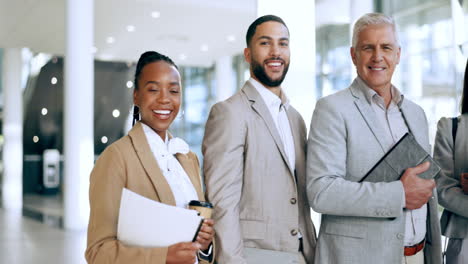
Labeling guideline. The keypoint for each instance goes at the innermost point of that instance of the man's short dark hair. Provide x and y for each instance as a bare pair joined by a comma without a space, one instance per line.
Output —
259,21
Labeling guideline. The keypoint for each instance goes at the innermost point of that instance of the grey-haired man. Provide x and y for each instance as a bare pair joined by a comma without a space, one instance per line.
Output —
351,130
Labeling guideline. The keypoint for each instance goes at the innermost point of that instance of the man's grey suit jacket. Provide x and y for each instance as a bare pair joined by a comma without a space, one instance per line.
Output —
259,199
361,222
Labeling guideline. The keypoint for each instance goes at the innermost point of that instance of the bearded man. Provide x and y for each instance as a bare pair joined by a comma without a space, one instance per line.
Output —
254,161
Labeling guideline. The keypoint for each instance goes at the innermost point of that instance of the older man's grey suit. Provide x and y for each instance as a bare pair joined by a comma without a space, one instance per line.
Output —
361,222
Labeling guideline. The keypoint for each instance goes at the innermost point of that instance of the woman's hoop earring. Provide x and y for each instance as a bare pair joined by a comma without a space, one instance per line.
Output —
136,114
136,110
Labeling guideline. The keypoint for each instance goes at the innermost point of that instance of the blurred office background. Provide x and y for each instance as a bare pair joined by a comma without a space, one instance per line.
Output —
66,84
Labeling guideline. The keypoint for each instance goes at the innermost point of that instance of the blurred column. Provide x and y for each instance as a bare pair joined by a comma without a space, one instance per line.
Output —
78,112
299,85
225,78
357,8
12,187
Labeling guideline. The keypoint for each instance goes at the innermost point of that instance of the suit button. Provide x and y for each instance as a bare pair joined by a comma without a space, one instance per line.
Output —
293,232
400,236
293,200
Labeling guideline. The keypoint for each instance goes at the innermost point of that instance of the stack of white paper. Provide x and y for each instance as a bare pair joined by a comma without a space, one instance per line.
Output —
147,223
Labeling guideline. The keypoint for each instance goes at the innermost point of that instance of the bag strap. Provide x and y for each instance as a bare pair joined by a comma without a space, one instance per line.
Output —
454,128
454,132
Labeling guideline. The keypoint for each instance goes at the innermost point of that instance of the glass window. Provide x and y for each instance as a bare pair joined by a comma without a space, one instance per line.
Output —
426,73
333,70
197,87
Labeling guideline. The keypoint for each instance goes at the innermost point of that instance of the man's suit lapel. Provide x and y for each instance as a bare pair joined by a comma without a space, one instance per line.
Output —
414,125
192,172
258,105
293,123
369,116
150,165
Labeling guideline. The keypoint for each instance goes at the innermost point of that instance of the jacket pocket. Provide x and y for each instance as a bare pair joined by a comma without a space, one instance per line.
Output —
347,230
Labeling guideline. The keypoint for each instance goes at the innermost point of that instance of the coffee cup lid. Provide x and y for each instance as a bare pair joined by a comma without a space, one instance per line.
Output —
200,203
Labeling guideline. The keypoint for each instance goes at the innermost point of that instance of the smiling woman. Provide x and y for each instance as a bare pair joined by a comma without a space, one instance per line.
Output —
157,93
150,162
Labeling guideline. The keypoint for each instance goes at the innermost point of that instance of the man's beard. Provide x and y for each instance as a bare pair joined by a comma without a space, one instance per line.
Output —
260,74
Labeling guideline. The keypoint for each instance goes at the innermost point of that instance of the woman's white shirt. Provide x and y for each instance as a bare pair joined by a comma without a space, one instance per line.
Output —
164,153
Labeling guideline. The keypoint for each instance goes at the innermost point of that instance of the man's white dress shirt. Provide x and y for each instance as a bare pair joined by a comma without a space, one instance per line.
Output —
277,107
394,125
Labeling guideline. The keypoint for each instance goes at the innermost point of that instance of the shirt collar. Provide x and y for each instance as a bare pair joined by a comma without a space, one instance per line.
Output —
270,99
372,96
154,139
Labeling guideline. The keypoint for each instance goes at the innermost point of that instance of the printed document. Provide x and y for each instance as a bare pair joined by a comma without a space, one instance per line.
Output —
147,223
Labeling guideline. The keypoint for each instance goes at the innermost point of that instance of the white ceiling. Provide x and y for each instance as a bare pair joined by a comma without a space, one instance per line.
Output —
184,26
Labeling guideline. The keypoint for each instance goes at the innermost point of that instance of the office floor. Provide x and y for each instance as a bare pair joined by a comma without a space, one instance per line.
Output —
34,236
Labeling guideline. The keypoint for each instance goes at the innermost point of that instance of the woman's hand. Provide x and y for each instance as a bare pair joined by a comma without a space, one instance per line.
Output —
182,253
206,234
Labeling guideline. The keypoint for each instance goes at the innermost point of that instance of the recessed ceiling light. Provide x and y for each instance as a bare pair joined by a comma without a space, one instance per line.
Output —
44,111
104,140
204,48
155,14
116,113
35,139
53,80
129,84
130,28
110,40
231,38
182,56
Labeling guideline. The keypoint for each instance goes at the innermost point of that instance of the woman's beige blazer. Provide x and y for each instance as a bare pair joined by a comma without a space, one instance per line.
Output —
128,163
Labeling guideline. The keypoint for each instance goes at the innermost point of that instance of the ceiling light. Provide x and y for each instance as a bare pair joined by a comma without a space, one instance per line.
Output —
44,111
182,56
204,48
110,40
35,139
231,38
155,14
129,84
104,140
130,28
93,50
53,80
116,113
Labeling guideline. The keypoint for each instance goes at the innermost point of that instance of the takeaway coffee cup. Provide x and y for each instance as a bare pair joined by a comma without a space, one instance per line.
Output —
204,208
